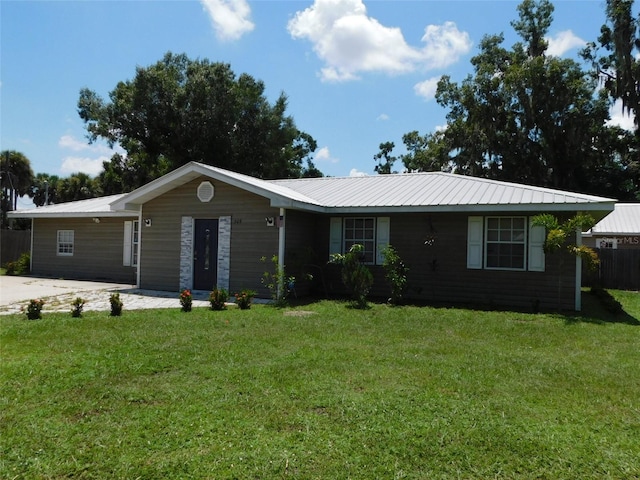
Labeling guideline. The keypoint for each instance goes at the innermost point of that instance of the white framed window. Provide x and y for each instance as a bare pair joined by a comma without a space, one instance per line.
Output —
505,243
370,232
65,243
130,243
360,230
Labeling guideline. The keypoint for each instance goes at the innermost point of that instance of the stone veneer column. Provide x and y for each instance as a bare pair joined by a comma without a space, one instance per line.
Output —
224,251
186,253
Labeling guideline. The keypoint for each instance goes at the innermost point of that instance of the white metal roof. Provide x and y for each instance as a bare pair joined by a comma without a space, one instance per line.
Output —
412,192
93,207
624,220
437,191
280,195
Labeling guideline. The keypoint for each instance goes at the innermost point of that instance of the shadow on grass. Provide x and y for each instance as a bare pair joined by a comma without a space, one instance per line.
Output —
595,310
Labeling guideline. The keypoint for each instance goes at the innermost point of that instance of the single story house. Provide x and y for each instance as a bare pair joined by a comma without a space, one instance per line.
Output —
463,239
618,230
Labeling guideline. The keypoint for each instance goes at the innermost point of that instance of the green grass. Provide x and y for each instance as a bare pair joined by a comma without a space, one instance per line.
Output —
387,392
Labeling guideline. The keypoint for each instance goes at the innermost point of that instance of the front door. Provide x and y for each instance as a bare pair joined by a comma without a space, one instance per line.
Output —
205,255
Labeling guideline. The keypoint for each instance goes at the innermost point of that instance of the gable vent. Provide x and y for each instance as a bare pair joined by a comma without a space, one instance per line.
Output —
205,192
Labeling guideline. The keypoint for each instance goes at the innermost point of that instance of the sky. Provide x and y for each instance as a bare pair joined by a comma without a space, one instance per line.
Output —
356,73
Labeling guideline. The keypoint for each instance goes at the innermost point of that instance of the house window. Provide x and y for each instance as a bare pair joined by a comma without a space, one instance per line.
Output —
130,243
370,232
135,238
65,243
360,231
505,243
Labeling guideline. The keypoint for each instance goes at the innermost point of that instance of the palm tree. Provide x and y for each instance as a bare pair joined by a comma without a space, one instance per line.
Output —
16,177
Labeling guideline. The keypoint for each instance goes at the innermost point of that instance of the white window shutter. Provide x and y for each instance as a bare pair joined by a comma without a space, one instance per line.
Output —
537,235
382,237
126,243
474,242
335,236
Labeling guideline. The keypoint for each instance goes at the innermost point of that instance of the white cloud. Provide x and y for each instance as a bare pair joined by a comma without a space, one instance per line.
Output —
90,166
350,42
91,162
563,42
444,44
324,155
441,128
383,117
620,118
230,18
427,89
72,143
354,172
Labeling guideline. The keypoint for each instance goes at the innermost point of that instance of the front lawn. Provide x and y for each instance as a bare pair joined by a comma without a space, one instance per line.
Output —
321,391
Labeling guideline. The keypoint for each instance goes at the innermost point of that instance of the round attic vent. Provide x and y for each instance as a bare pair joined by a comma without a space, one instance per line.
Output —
205,192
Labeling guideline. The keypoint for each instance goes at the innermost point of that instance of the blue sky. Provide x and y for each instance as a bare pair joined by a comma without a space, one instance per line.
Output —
356,72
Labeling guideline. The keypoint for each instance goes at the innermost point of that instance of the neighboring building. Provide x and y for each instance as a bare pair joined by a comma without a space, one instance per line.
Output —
464,239
618,230
617,238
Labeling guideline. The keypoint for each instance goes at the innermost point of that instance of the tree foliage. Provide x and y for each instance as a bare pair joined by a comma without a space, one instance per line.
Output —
528,117
180,110
559,235
16,177
44,190
619,65
78,186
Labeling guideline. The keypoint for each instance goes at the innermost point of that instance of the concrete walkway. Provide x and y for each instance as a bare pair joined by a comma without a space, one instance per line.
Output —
15,293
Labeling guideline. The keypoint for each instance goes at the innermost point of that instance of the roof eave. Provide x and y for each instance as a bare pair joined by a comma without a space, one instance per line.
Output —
600,208
35,214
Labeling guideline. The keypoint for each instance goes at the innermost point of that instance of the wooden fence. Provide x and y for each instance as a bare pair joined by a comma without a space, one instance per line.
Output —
14,243
619,268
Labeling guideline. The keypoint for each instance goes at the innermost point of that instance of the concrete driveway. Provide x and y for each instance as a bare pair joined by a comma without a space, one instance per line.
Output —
15,292
21,289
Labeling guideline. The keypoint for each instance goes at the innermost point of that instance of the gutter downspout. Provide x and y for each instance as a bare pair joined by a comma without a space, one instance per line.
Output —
33,223
578,286
281,237
139,247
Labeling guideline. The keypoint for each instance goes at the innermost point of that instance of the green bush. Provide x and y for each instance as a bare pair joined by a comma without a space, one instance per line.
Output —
22,266
116,305
395,273
78,305
217,298
278,282
355,275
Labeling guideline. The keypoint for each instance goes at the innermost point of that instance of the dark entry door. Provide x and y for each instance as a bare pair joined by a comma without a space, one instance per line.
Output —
205,255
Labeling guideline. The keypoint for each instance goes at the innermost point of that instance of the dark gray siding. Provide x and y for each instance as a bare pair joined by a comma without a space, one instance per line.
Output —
305,258
251,239
438,273
97,250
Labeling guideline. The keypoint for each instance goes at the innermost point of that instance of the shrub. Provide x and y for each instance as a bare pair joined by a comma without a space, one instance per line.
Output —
116,305
20,266
244,298
395,273
186,300
34,309
217,298
278,282
355,275
77,305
